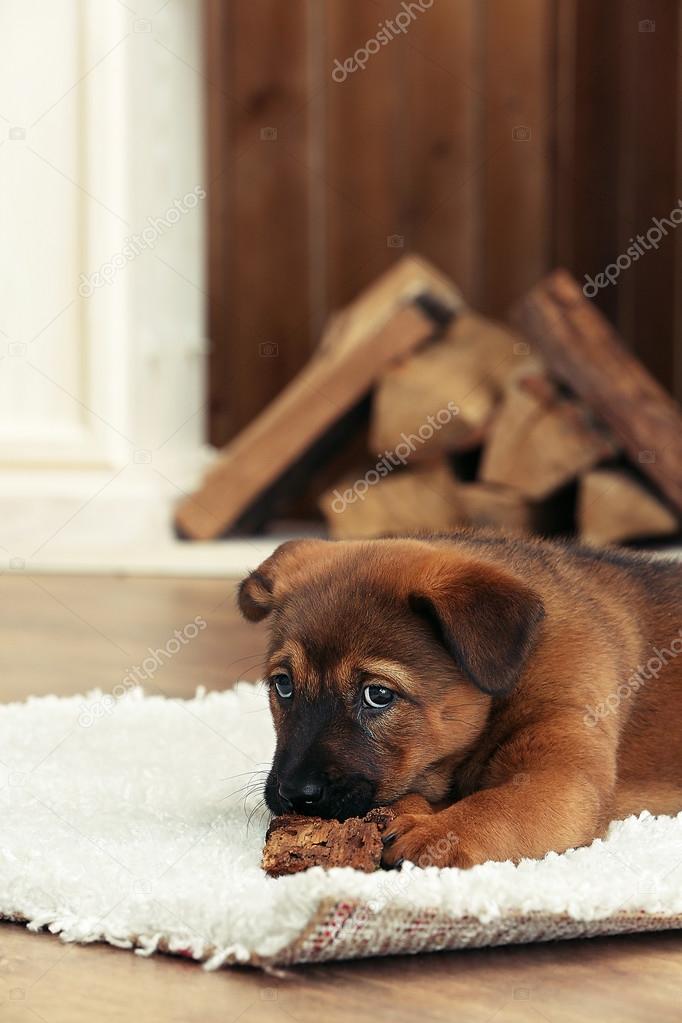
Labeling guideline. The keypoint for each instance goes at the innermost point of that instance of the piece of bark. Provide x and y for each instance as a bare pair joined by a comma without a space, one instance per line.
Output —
540,440
295,842
387,321
466,368
420,497
489,505
583,350
614,506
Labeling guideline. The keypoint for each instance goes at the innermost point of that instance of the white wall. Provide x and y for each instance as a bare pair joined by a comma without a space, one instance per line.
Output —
101,384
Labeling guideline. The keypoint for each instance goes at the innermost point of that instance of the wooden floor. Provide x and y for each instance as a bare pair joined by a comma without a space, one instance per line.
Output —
65,635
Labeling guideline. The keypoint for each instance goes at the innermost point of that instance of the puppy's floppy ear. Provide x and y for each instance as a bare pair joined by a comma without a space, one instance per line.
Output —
256,596
487,620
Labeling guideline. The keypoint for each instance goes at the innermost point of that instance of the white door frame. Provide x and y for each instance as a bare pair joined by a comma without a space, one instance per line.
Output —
102,342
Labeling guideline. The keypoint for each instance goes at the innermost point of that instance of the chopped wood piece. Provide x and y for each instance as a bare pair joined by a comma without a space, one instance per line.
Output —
539,440
421,497
485,504
614,506
467,369
387,321
584,351
295,842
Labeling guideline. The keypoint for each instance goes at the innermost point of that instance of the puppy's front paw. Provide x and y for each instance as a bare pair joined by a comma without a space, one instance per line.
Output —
421,839
413,804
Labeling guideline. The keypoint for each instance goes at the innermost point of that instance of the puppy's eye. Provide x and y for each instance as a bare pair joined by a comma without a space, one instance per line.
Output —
283,685
377,697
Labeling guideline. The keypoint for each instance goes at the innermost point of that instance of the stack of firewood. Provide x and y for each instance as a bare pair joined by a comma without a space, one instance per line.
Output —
549,426
541,461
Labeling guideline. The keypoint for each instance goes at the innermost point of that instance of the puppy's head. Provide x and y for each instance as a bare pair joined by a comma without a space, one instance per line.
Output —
384,659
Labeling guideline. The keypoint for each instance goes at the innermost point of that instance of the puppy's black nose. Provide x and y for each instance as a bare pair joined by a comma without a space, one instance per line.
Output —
302,796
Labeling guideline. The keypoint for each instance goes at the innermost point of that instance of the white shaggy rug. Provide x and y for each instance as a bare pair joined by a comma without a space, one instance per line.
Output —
125,820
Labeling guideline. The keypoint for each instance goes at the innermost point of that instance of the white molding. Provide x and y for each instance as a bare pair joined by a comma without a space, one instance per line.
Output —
216,559
117,129
65,512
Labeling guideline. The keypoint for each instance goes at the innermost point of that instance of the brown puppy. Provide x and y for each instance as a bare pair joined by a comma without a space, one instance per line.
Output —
510,696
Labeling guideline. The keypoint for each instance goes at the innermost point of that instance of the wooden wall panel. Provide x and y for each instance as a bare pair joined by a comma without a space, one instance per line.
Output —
424,151
259,188
653,70
365,150
588,144
218,326
443,102
677,312
518,76
617,165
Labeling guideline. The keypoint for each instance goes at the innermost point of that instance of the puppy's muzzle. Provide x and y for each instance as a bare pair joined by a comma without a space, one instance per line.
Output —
318,794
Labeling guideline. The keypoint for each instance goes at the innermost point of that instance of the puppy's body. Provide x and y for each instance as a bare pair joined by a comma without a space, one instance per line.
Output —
534,690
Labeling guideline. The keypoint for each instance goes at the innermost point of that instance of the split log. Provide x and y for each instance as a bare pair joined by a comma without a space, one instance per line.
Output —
387,321
540,440
614,506
294,843
584,351
421,497
487,505
465,370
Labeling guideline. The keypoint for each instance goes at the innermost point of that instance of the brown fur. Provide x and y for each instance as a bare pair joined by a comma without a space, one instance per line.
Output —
501,743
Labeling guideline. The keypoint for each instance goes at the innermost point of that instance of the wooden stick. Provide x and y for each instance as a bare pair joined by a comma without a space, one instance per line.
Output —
584,351
614,506
465,369
484,504
383,324
294,843
539,441
421,497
